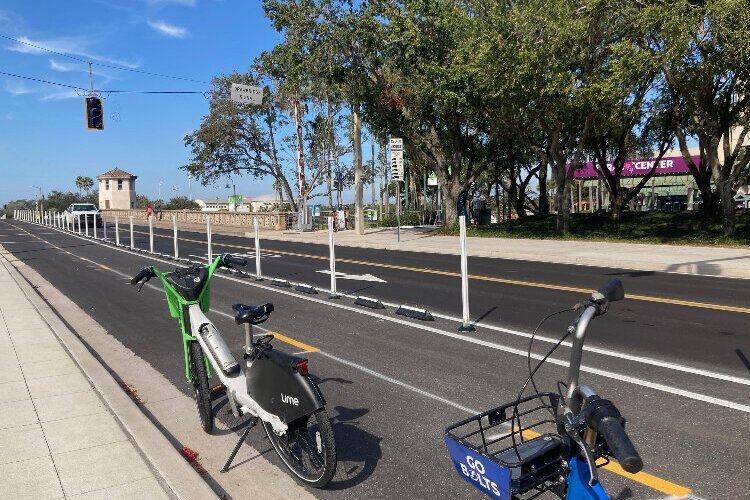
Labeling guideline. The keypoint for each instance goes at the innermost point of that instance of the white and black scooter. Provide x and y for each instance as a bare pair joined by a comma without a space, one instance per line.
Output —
270,385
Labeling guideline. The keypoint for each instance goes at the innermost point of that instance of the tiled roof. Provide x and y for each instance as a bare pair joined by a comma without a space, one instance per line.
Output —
116,173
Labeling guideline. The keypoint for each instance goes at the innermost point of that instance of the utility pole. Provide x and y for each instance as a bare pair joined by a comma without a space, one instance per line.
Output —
359,215
380,182
373,173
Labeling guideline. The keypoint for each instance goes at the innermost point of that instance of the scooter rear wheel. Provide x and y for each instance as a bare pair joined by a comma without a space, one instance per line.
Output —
308,448
201,387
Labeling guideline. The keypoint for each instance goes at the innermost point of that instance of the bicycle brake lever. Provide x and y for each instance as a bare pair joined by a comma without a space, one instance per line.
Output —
574,424
593,474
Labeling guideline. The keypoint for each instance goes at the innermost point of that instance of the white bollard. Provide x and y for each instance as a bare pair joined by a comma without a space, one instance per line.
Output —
258,273
151,233
86,224
95,227
117,231
208,240
332,258
174,228
132,243
79,223
104,226
466,326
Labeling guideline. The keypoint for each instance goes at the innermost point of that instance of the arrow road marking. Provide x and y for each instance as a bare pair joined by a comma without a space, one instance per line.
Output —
358,277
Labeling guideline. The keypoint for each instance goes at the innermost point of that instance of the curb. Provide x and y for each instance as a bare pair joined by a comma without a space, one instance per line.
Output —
178,475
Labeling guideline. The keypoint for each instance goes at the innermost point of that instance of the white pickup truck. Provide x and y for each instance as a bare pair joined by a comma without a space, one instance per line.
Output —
88,213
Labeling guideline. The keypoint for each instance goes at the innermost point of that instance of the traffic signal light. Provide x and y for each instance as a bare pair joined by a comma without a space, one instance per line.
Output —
94,113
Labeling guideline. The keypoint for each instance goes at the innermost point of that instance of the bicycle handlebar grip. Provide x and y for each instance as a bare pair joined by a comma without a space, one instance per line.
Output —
604,417
611,292
621,445
146,271
231,259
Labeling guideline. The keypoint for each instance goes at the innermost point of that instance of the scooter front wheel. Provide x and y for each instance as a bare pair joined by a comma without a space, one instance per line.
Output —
201,387
308,448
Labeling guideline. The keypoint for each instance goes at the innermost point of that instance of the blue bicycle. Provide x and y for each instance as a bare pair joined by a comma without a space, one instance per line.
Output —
550,441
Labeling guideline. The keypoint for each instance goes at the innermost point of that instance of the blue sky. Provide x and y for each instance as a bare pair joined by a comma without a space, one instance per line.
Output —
43,139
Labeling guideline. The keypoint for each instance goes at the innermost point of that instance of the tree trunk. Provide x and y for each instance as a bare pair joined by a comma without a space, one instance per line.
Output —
543,197
359,214
451,191
726,196
288,190
616,207
562,199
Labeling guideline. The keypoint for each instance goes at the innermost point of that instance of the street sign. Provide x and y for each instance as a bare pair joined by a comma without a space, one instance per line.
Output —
397,166
397,158
247,94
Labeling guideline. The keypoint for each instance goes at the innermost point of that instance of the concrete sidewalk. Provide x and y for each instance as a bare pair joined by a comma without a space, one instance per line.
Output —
714,261
67,430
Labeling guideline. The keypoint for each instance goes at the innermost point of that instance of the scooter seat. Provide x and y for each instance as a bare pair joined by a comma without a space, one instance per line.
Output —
251,314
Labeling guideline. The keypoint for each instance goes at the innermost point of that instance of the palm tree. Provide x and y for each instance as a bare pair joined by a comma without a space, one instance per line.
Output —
85,183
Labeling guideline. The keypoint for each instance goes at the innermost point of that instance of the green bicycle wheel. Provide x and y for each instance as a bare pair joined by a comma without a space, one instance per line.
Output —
201,387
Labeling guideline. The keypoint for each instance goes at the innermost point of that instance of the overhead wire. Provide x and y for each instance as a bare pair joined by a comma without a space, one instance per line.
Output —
101,64
102,91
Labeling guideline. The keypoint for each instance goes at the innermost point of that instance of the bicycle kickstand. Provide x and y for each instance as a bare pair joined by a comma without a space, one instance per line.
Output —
253,422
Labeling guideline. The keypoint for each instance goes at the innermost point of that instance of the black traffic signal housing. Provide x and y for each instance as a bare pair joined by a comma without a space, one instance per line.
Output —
94,113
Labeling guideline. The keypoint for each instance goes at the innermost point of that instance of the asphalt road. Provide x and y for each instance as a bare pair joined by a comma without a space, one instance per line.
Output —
392,385
709,338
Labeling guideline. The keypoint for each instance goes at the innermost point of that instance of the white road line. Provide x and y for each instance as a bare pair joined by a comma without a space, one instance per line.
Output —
399,383
511,350
597,350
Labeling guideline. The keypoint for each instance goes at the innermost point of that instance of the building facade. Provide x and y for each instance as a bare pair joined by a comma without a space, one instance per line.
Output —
116,190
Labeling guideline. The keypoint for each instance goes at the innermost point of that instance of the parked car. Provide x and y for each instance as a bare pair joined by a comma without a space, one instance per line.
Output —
88,213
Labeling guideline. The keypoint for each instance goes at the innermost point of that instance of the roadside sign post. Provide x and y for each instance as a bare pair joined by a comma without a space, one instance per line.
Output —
174,228
466,326
132,243
258,275
117,231
208,237
334,293
398,211
151,233
397,174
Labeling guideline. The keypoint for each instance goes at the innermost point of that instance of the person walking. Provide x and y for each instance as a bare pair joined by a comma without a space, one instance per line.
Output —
149,211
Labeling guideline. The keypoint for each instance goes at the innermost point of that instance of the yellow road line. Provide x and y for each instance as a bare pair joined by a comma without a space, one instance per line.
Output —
644,478
652,482
505,281
295,343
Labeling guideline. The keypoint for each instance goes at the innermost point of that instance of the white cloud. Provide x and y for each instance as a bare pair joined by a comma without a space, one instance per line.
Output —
8,17
18,88
59,95
73,46
64,67
168,29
